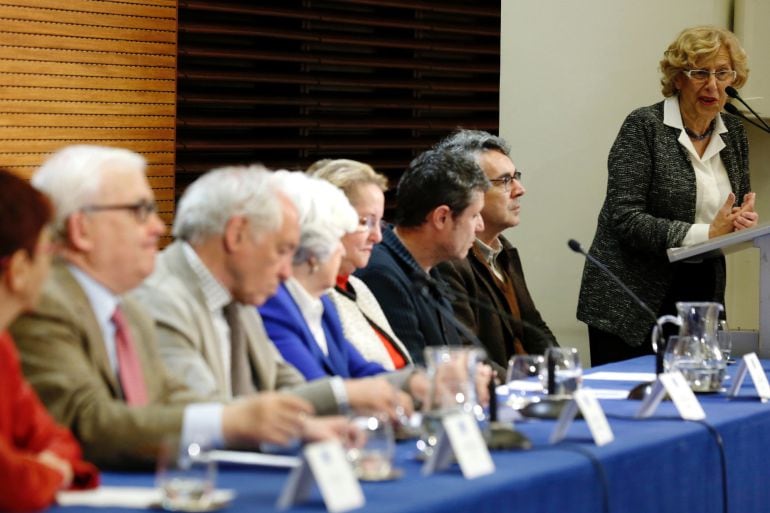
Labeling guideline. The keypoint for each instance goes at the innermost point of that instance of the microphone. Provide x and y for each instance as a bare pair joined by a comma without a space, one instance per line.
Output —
501,436
643,389
733,93
732,109
546,408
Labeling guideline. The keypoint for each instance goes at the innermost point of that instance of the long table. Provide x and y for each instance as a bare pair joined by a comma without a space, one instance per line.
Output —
662,464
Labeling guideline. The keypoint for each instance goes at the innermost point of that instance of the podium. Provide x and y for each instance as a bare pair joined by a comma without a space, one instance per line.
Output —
757,237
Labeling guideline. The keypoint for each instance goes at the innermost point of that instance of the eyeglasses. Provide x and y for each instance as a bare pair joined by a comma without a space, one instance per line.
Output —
507,180
141,210
367,223
702,75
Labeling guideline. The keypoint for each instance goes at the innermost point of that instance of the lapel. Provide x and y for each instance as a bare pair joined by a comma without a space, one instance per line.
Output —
173,261
259,346
93,342
334,337
305,335
730,161
493,292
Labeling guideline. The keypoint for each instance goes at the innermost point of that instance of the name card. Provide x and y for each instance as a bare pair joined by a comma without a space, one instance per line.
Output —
460,438
750,362
679,391
326,464
585,401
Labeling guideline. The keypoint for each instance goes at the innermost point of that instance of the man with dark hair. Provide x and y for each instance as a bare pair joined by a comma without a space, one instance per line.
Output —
492,273
440,197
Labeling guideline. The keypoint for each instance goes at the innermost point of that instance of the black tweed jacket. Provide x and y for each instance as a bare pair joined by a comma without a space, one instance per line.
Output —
649,207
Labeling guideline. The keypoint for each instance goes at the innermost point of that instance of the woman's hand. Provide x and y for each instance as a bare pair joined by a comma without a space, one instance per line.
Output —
745,216
723,221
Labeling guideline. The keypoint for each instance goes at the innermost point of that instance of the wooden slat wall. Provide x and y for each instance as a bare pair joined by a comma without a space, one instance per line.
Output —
89,71
286,82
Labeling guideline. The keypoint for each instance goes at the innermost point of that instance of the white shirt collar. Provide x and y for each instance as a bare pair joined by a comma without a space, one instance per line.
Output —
103,301
672,116
312,308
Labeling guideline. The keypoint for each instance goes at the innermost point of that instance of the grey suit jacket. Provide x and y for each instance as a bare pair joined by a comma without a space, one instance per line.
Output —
188,344
64,357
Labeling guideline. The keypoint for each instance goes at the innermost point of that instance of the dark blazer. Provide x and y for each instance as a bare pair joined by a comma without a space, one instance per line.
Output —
64,357
415,319
290,333
649,207
470,277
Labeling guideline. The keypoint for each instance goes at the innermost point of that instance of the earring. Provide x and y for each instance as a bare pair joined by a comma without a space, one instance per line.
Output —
313,265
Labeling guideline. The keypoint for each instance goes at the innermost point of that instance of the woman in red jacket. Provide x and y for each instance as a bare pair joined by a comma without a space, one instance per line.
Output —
37,457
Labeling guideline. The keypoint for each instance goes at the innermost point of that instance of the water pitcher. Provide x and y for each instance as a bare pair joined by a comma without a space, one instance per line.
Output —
695,353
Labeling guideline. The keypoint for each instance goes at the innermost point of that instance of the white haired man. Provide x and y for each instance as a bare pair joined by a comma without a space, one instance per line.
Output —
235,238
90,352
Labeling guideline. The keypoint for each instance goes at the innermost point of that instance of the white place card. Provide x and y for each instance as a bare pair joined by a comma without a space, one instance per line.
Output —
679,391
750,363
586,403
460,437
324,462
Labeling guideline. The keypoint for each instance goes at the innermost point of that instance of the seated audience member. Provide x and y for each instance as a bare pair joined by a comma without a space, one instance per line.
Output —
91,352
491,274
300,318
438,214
37,457
363,321
235,238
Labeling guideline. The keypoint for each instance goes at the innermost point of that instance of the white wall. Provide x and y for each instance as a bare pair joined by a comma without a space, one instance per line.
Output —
570,73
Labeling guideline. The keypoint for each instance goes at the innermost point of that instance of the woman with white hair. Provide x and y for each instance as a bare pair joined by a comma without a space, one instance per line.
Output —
300,318
363,320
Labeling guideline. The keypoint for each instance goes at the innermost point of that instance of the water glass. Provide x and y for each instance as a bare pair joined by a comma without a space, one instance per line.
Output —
524,379
372,460
186,476
568,372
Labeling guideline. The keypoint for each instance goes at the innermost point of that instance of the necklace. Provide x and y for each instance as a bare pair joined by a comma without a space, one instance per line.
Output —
699,137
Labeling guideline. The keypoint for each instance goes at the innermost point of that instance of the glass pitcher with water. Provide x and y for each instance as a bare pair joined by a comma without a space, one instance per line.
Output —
695,352
452,374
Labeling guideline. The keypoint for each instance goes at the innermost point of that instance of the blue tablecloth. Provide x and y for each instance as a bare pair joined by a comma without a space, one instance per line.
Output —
662,464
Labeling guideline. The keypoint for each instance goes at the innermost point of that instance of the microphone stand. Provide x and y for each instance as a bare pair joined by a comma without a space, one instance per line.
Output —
501,436
732,109
641,390
733,93
548,407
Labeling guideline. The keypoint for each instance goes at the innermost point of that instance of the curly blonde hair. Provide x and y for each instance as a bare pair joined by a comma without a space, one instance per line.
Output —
695,45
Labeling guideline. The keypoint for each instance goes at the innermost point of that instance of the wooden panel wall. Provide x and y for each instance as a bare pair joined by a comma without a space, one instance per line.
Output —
89,71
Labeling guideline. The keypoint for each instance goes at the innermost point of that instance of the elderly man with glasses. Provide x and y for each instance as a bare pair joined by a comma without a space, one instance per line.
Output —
90,350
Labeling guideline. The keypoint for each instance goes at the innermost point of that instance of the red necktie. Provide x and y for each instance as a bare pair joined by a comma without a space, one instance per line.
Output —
129,367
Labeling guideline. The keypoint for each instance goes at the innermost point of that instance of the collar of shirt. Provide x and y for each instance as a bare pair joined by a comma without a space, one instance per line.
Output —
217,297
672,117
103,303
312,310
488,253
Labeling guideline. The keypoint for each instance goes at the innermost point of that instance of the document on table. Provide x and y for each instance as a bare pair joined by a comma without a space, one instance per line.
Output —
620,376
125,497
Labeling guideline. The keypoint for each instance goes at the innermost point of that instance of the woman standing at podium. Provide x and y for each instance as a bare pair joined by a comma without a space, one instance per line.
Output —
678,174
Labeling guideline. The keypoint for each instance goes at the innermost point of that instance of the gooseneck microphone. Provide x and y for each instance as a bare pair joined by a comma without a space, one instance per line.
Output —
733,93
577,248
639,391
732,109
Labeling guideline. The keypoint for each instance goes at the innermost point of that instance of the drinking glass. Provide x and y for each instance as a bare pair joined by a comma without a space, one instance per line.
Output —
568,372
186,475
524,378
373,460
725,341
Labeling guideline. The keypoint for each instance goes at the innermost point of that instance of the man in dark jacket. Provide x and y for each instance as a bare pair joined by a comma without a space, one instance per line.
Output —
490,279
